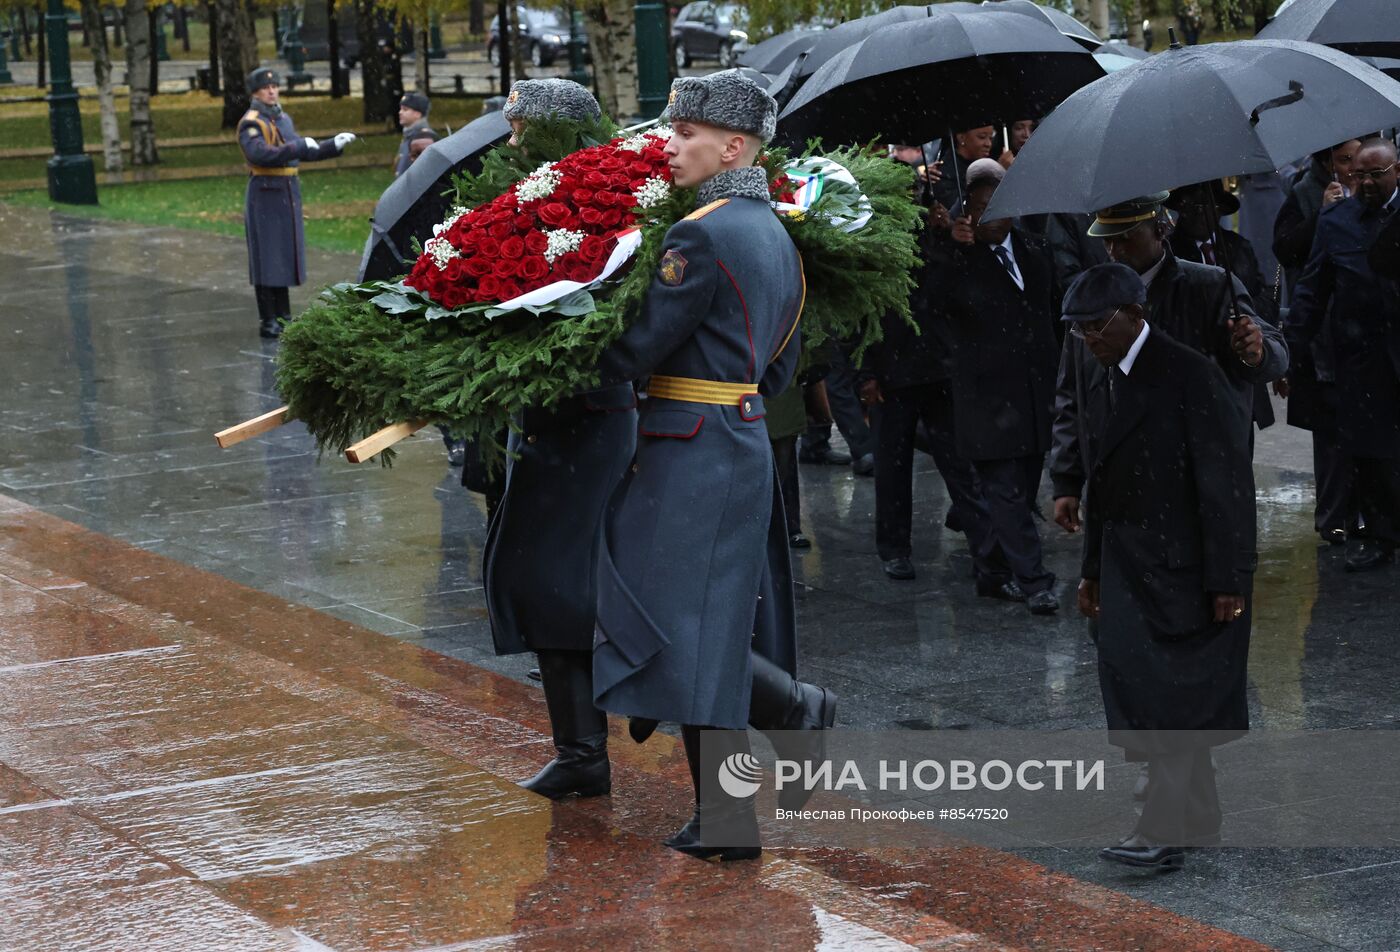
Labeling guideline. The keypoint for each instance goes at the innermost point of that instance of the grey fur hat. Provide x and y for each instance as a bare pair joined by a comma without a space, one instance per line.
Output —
537,98
727,99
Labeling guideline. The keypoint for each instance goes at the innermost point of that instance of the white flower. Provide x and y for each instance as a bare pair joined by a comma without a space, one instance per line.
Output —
540,183
652,192
441,251
641,140
561,242
457,212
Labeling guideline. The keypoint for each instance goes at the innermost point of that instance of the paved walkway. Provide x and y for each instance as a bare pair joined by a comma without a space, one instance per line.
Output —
126,347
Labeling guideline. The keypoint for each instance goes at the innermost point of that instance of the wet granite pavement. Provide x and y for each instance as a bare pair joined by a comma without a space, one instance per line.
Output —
123,350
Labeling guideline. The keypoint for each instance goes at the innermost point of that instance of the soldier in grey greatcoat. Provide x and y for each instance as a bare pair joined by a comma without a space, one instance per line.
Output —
413,117
695,606
272,207
541,558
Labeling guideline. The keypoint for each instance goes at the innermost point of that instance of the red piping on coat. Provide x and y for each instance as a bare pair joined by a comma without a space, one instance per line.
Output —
748,326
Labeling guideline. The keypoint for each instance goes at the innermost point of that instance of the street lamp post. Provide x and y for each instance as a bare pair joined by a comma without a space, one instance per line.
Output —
71,176
162,47
435,50
653,62
5,76
577,72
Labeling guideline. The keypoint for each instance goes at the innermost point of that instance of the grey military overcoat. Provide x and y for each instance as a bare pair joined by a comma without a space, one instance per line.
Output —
695,568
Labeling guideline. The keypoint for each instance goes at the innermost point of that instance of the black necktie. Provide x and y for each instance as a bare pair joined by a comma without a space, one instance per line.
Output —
1005,257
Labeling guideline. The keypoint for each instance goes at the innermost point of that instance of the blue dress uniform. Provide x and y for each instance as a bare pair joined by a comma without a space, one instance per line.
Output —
272,205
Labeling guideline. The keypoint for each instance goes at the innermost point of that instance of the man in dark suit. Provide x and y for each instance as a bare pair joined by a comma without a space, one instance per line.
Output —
1002,306
1168,560
1339,287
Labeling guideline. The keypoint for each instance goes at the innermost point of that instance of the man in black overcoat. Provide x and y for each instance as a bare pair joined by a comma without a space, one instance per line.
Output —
1002,305
1168,561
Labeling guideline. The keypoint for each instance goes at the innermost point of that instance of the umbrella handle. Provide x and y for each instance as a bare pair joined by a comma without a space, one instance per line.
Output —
1224,254
1295,94
957,176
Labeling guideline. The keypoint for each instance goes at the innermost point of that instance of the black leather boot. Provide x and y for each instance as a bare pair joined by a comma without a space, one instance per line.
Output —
722,827
580,766
779,702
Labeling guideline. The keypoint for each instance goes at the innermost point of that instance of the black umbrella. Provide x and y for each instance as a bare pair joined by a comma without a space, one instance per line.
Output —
775,53
1191,114
954,68
1361,27
1060,20
414,203
833,41
1387,65
1126,50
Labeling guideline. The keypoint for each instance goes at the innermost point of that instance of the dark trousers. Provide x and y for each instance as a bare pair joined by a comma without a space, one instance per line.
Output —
1183,804
845,409
785,460
1012,545
273,303
1378,497
1333,467
898,420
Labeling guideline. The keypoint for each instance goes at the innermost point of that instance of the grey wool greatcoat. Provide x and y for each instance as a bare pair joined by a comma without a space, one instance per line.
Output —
695,569
272,206
540,565
1170,522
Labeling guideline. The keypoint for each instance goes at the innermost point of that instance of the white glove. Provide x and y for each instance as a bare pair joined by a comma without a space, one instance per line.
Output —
342,139
311,143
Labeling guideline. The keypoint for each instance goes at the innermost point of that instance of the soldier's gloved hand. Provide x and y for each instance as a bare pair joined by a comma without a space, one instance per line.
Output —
311,143
342,139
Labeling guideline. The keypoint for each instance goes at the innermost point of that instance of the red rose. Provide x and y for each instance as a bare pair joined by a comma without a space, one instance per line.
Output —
456,269
591,217
534,268
536,243
500,229
641,168
489,288
613,217
582,196
580,271
512,247
508,290
595,180
488,248
479,266
591,248
505,267
611,163
524,222
555,214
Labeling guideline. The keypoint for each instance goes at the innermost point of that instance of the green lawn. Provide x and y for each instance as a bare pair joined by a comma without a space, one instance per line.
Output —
338,204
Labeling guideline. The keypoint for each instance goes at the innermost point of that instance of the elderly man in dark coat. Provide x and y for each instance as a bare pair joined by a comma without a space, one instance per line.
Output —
1002,304
272,207
1168,560
540,564
1187,302
1339,288
695,612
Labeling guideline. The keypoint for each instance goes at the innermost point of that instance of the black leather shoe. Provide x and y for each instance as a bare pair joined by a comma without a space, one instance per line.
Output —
1007,591
579,769
1143,784
1043,603
690,839
900,569
270,329
1142,853
641,728
1365,556
1333,536
865,466
825,456
799,541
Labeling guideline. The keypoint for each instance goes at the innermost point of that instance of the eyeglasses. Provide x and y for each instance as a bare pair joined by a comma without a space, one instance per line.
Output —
1374,175
1079,331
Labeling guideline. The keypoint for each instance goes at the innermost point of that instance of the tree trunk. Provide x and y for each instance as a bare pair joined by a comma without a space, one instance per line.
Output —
238,56
476,17
153,19
182,27
420,63
24,31
43,49
87,35
118,27
1133,13
212,15
504,45
333,50
381,65
1098,17
106,101
519,49
612,29
139,53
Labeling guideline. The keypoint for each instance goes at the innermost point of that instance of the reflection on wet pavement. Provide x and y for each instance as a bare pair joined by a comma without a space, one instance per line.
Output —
183,758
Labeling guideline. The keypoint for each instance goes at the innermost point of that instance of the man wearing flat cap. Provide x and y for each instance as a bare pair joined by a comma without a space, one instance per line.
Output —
1186,301
540,564
695,608
1168,560
272,206
413,118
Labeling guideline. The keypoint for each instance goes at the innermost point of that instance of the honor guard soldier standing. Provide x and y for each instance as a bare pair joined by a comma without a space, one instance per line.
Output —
272,207
695,610
541,556
413,116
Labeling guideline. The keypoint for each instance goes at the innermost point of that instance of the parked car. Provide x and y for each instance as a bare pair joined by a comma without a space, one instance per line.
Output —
544,33
712,31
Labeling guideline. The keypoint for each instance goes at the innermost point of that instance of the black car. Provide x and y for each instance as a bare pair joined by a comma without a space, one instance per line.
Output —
544,33
706,30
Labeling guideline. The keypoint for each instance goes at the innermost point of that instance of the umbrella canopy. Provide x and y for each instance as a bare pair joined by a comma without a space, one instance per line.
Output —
1060,20
775,53
1387,65
954,68
1192,114
414,203
1125,50
1362,27
1113,62
848,34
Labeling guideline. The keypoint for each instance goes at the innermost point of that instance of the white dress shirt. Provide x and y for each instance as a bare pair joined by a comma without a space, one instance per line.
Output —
1126,364
1151,273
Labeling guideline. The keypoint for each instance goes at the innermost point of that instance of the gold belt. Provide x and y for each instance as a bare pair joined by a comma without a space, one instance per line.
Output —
690,390
283,170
